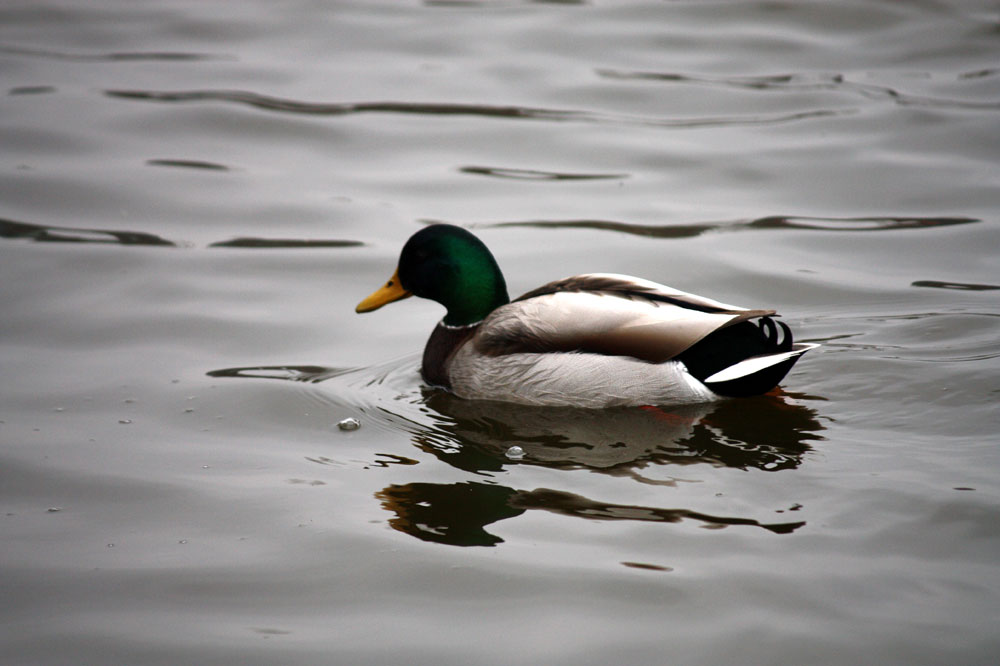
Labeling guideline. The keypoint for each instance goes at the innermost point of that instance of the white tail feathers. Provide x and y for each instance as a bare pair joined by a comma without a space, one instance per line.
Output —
755,364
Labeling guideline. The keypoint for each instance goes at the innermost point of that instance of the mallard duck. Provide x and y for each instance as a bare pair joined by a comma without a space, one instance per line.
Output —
595,340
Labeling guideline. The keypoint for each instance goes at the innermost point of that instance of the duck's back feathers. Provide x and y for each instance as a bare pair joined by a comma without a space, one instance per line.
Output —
626,286
607,314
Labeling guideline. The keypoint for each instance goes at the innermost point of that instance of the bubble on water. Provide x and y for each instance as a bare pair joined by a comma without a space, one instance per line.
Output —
54,509
350,423
124,421
515,453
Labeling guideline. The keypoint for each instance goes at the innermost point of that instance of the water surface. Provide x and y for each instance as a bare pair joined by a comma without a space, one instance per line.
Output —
194,196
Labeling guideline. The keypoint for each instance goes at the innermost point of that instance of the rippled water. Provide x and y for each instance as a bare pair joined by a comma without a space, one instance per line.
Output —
194,196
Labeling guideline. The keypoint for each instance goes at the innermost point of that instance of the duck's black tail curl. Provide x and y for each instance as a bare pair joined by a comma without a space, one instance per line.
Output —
769,328
731,345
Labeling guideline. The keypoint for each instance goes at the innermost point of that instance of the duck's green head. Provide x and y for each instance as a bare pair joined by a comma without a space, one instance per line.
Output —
449,265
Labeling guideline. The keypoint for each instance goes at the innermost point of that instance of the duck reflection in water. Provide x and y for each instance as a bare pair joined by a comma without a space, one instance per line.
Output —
766,433
456,514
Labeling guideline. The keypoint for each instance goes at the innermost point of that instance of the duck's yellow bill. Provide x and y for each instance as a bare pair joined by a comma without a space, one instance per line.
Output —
391,291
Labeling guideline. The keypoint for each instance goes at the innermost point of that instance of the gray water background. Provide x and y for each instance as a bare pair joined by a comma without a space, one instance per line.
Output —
194,196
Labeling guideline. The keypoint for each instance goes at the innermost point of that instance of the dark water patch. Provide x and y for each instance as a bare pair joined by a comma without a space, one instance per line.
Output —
748,82
663,231
802,82
119,56
53,234
979,74
343,108
906,99
959,286
58,234
188,164
747,121
647,566
285,243
267,631
857,223
269,103
295,373
769,222
31,90
534,174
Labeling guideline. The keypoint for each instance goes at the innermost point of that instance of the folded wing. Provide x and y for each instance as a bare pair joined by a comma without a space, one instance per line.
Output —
607,314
